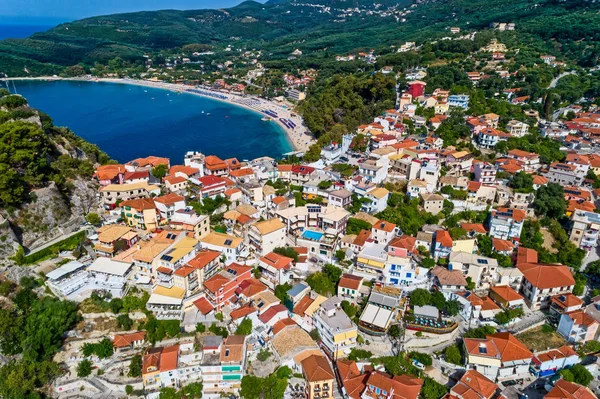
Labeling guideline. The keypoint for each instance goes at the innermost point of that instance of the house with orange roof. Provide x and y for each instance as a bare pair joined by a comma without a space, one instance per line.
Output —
209,186
564,389
473,385
442,245
577,327
136,177
473,229
273,314
160,368
380,384
275,269
507,224
113,193
140,213
489,137
110,174
383,232
125,342
215,166
185,171
319,377
529,160
349,286
220,289
175,184
168,204
147,163
471,305
192,275
565,174
549,362
506,296
404,246
541,281
564,303
499,356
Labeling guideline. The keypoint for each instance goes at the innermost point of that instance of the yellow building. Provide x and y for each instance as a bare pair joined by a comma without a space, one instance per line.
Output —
140,213
319,376
338,333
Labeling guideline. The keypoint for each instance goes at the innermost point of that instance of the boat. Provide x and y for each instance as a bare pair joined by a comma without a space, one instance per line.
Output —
266,119
202,111
208,114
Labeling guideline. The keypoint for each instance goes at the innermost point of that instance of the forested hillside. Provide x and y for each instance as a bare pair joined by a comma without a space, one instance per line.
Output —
279,27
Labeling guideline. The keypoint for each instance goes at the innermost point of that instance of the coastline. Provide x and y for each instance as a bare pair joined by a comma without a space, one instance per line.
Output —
299,138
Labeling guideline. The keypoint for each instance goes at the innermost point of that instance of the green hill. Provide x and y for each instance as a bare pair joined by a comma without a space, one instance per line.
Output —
278,27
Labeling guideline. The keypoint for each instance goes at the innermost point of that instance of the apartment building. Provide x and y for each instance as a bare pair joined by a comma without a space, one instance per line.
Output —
113,193
506,224
140,213
168,204
319,377
275,269
338,333
220,289
229,246
485,173
517,128
499,356
267,235
577,327
584,230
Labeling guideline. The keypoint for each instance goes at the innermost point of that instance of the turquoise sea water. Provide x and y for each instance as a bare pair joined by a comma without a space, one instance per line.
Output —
129,121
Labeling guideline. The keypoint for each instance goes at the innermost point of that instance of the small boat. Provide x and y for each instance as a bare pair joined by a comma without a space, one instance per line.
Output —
145,91
202,111
226,116
208,114
266,119
153,98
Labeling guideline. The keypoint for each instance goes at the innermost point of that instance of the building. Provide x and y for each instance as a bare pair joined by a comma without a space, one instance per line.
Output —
160,369
473,385
432,203
140,213
125,342
349,286
584,230
265,236
338,333
507,224
498,357
443,244
459,100
577,327
517,128
448,280
168,204
231,247
187,220
319,377
222,365
113,193
551,361
480,269
541,282
506,296
564,389
220,289
485,173
341,197
381,310
275,269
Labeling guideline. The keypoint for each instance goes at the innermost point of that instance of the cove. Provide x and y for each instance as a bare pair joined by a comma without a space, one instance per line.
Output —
129,121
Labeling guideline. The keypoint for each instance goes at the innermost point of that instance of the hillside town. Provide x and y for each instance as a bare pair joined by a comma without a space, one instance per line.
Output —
391,252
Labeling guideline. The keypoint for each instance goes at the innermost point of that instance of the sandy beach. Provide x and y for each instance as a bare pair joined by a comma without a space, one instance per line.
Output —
299,137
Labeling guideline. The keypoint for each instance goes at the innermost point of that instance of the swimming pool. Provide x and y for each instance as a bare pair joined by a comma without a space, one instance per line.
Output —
312,235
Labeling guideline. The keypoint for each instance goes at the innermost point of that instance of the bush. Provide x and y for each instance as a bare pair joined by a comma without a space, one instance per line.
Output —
453,355
68,244
222,331
423,358
263,355
128,389
200,328
84,368
124,322
135,366
358,354
245,327
219,316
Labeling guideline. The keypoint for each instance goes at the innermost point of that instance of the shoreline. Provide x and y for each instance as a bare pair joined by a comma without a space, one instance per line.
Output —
298,137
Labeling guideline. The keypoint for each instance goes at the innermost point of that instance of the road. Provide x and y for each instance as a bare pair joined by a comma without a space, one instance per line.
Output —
59,239
554,81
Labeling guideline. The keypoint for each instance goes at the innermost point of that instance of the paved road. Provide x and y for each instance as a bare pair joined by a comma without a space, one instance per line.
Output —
554,81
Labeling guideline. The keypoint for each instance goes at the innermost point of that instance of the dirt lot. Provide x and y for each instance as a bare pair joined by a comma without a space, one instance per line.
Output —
537,340
548,241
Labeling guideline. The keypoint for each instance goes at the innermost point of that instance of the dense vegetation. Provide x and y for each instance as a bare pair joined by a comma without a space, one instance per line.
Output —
30,152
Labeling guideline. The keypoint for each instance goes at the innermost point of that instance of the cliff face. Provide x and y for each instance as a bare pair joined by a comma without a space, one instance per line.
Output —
45,180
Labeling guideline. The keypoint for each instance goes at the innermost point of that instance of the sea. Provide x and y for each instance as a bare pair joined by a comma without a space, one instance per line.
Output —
129,121
10,31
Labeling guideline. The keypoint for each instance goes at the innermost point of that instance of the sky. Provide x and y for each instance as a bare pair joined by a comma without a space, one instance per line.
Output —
56,11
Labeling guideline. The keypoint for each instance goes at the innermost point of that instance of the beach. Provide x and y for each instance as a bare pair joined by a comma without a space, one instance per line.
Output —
298,136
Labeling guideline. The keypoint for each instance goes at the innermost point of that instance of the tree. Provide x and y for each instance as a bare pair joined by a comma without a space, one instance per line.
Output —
169,393
550,201
340,254
453,307
359,354
428,263
581,375
192,391
200,328
395,331
480,332
580,283
453,355
160,171
420,297
124,322
470,284
281,291
128,389
522,182
116,304
320,283
333,273
354,226
433,389
84,368
21,379
245,327
93,218
349,309
135,366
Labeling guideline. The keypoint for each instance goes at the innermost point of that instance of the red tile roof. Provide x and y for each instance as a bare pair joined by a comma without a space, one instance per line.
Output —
350,281
502,245
271,312
281,324
443,237
316,368
474,385
203,306
569,390
277,261
242,312
169,199
124,340
503,345
203,258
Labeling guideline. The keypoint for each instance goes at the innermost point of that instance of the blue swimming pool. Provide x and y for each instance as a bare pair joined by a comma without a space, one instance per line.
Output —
312,235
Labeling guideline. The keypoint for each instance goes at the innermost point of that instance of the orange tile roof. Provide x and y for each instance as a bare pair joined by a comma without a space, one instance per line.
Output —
502,245
362,237
139,204
384,226
241,172
581,318
560,353
506,293
403,386
169,357
540,180
500,345
169,199
150,161
281,324
242,312
278,200
474,227
174,179
301,306
123,340
567,300
522,154
184,271
109,172
316,368
216,282
250,287
186,170
233,348
203,258
517,215
203,306
488,304
265,317
277,261
546,276
350,281
474,385
564,389
352,379
405,241
443,237
214,163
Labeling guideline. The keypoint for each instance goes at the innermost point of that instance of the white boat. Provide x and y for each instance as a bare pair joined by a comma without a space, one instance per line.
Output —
202,111
208,114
